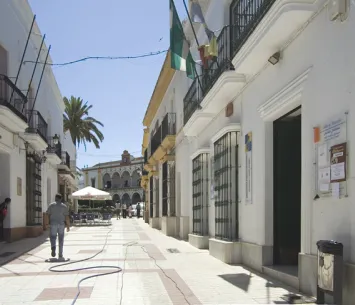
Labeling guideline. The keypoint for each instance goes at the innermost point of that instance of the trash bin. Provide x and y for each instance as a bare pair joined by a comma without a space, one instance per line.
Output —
330,271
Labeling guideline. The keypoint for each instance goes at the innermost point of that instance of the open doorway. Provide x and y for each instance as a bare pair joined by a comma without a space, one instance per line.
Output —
287,188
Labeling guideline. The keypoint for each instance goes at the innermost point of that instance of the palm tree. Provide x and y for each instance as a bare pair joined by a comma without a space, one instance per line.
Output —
81,126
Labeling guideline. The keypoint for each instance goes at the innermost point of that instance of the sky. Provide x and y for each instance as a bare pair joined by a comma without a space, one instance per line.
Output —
119,90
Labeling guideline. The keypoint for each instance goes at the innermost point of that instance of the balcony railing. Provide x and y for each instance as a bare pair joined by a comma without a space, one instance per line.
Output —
167,127
54,148
65,159
37,124
12,97
244,18
210,74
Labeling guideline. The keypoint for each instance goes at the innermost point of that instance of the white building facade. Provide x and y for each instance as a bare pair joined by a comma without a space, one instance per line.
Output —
31,124
120,178
263,159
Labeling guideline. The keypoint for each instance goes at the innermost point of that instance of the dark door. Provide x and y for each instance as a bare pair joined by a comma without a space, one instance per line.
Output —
287,190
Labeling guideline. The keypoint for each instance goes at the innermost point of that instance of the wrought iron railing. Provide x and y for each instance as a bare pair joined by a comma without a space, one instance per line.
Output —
37,124
34,191
245,17
166,128
200,193
54,148
12,97
168,125
225,169
65,159
210,74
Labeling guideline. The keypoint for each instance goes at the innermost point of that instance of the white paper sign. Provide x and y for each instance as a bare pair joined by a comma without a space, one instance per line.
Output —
336,190
324,175
338,171
322,155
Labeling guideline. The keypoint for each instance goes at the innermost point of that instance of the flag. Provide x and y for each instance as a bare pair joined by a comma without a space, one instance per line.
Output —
197,16
181,58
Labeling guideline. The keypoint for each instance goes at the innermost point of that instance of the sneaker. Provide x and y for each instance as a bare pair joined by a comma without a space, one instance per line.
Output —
53,252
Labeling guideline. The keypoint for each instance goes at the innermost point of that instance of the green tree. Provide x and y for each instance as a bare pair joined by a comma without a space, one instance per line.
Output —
82,127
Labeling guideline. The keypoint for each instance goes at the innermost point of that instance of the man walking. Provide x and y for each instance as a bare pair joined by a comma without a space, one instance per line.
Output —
138,207
58,218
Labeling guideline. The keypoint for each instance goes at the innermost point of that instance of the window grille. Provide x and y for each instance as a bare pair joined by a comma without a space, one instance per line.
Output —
226,187
200,194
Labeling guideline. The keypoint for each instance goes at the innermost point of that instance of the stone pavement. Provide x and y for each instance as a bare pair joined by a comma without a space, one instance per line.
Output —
156,270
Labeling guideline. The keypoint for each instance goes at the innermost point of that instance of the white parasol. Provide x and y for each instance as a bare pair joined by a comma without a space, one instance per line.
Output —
91,193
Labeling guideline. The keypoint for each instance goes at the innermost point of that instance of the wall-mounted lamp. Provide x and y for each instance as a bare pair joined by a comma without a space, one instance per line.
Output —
275,58
55,139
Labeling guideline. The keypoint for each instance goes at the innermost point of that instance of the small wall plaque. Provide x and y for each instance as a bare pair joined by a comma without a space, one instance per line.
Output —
229,109
19,186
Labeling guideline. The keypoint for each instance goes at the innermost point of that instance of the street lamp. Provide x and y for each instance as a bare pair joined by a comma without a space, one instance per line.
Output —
55,139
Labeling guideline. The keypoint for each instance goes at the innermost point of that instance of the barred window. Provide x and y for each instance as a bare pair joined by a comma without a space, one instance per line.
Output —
34,191
200,194
165,188
226,186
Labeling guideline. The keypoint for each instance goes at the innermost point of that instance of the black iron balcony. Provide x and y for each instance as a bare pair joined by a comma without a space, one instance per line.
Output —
167,128
245,17
12,97
210,74
37,124
65,159
54,148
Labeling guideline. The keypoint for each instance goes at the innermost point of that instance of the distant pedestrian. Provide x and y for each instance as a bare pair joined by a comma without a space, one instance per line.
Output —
138,207
130,211
124,210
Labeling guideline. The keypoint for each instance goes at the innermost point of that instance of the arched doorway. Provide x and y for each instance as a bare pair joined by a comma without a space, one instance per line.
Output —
107,181
116,180
135,178
125,179
136,198
115,198
126,199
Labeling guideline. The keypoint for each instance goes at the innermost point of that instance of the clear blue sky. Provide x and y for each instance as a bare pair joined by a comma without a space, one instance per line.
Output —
118,90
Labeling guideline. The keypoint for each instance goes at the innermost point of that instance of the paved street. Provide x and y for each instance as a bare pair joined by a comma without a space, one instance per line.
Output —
151,273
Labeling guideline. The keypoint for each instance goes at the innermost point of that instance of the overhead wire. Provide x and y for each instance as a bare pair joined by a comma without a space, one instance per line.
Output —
150,54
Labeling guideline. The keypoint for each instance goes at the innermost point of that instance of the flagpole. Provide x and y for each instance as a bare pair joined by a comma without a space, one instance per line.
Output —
192,27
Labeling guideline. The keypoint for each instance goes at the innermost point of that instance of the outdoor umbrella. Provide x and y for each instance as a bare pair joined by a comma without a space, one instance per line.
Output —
91,193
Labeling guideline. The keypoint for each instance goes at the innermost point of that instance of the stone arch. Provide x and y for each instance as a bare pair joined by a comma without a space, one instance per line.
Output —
136,178
106,180
115,180
126,199
136,198
115,198
125,179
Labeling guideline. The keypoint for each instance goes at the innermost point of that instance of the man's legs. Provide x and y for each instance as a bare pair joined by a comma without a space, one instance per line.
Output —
61,229
53,238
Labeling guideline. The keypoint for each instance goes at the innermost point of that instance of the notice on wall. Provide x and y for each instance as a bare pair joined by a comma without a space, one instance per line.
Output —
322,155
338,163
248,167
336,190
330,157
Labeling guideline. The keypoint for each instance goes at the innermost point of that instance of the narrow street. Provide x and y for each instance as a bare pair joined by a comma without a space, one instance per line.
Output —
152,274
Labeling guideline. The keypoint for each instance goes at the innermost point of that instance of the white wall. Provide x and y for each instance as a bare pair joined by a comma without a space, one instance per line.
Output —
15,21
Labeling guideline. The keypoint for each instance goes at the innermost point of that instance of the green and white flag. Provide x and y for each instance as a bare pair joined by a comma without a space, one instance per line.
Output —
181,58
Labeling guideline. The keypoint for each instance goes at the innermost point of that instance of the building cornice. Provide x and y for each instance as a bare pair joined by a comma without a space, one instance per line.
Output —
163,82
